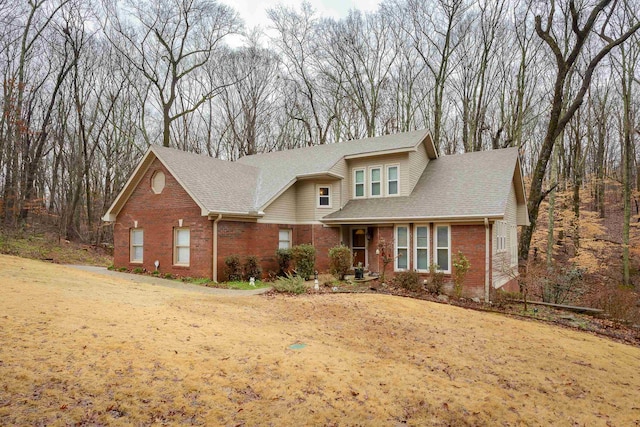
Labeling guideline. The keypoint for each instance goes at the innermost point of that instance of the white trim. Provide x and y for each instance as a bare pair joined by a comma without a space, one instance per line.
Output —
318,196
176,230
369,220
386,181
396,247
377,153
133,260
289,232
364,183
380,181
436,247
415,246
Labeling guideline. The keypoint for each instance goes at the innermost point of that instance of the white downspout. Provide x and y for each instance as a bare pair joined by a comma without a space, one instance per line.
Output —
215,248
487,260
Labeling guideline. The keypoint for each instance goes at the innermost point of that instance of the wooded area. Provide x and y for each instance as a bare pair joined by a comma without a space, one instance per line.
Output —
88,85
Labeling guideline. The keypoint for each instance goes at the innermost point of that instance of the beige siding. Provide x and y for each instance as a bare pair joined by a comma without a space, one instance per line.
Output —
283,209
400,159
502,262
342,170
306,202
417,162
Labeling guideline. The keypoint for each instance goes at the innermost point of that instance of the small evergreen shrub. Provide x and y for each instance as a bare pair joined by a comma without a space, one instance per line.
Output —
340,260
290,284
252,268
435,281
409,280
284,261
138,270
304,259
233,268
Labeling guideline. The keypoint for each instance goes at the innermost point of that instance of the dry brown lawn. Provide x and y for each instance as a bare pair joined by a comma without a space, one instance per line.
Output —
81,348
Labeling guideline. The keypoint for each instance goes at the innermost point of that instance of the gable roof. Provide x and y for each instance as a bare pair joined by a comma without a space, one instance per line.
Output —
463,186
280,169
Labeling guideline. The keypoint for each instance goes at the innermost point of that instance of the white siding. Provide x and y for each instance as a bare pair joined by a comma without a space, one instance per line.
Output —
306,200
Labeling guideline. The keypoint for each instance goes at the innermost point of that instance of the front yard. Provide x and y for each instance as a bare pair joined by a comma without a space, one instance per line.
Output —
76,347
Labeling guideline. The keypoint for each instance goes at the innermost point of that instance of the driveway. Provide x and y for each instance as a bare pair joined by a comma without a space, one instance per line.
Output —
156,281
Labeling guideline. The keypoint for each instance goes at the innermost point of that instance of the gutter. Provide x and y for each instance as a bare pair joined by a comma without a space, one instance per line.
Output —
487,261
214,273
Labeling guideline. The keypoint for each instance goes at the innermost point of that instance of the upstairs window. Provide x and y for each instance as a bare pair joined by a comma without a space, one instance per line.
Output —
358,179
181,246
137,245
324,196
513,244
376,184
392,180
501,236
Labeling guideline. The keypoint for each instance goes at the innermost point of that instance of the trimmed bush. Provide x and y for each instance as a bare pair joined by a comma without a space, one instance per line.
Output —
233,268
284,261
290,284
252,268
460,268
340,261
304,259
409,280
435,282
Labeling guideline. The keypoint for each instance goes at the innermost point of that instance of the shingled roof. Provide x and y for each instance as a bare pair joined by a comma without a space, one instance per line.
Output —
471,185
279,169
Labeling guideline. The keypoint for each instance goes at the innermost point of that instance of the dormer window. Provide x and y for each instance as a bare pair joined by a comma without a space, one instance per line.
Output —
392,180
376,184
324,196
358,179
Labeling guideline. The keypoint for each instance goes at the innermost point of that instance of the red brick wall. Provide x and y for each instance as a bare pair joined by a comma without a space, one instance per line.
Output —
157,215
470,240
261,240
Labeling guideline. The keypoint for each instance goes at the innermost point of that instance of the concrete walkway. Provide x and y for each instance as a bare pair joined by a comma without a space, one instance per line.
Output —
157,281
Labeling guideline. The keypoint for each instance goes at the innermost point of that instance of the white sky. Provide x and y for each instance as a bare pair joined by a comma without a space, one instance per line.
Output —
254,12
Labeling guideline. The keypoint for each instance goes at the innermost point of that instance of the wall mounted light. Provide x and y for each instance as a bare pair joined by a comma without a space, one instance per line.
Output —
135,224
180,223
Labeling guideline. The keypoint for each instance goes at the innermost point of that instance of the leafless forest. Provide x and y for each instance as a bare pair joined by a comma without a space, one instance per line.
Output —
89,84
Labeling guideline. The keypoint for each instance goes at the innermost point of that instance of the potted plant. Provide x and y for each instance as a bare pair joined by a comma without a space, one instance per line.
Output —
359,271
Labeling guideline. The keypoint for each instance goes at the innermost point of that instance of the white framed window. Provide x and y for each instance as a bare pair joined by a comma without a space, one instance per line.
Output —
501,236
157,182
401,248
421,254
513,244
284,238
393,180
375,181
324,196
136,249
358,183
181,246
442,256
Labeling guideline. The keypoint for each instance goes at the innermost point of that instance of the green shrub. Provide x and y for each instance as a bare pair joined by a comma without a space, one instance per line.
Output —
122,269
409,280
138,270
252,268
290,284
233,268
168,276
340,261
435,281
460,268
284,261
304,258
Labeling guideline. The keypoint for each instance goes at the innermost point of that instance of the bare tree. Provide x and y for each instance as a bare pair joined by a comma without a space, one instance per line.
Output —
582,28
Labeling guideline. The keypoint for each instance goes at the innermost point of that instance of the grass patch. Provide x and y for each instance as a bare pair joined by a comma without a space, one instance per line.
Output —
77,348
245,286
49,248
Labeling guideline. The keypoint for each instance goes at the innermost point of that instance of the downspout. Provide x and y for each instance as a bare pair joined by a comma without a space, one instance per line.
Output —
487,260
215,248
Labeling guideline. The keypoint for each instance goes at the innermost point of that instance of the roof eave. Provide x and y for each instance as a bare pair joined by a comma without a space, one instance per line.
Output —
392,220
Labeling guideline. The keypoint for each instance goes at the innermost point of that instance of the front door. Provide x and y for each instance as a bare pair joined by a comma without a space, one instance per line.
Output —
359,246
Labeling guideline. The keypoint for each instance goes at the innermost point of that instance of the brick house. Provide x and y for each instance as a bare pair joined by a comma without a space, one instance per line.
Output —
189,212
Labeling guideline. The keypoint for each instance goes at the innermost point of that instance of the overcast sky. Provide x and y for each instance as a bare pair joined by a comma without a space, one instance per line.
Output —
254,12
